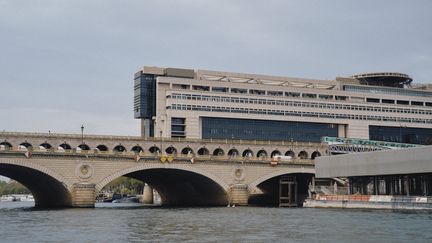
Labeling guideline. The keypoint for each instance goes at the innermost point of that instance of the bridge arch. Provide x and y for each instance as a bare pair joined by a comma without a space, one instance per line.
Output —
218,152
171,150
6,145
315,154
303,154
274,153
137,149
247,153
27,145
45,145
233,152
262,154
187,151
203,151
253,186
290,153
119,148
83,146
102,148
177,184
154,149
48,188
65,146
265,190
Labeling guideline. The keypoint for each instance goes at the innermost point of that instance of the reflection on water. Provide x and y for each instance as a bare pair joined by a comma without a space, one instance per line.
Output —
133,222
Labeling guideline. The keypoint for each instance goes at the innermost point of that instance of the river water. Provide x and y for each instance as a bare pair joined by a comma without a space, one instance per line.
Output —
19,222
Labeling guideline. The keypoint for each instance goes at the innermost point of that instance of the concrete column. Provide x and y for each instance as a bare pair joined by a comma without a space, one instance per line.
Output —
375,185
145,128
313,183
239,195
342,130
408,185
392,186
147,194
83,195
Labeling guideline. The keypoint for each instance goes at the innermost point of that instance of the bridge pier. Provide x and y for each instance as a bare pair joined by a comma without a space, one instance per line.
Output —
147,194
83,195
239,195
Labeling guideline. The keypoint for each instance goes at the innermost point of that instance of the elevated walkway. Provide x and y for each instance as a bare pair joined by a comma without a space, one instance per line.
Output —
338,145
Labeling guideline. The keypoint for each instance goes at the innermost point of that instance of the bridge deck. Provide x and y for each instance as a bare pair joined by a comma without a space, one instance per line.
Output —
144,156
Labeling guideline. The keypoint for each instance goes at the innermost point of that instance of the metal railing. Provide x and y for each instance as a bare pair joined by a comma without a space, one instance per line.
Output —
6,135
366,142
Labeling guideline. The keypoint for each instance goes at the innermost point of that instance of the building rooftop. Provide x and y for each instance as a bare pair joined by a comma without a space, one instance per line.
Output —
383,79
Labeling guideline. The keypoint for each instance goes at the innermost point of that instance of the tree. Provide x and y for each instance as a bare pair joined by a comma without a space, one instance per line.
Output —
12,187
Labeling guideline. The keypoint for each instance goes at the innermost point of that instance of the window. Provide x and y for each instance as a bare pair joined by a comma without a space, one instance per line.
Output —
339,97
178,127
310,96
181,86
372,100
385,101
418,103
275,93
239,91
220,89
402,102
201,88
292,94
325,97
256,92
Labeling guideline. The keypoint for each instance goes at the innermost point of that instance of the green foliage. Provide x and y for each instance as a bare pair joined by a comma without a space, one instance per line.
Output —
12,187
125,185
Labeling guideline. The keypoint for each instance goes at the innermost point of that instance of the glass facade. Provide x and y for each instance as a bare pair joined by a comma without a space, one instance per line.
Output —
144,95
247,129
401,134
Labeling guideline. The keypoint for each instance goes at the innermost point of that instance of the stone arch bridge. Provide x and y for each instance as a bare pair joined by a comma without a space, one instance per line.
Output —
66,170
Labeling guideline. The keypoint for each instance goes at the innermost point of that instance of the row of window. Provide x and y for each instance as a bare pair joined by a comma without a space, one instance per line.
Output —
401,134
386,90
250,129
297,104
326,96
295,113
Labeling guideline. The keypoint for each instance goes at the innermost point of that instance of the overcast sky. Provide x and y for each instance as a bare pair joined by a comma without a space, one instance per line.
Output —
67,63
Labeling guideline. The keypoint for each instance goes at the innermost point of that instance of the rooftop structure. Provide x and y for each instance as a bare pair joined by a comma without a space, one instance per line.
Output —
199,104
388,79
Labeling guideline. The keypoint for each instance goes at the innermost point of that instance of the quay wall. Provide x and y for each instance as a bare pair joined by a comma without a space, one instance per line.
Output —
371,202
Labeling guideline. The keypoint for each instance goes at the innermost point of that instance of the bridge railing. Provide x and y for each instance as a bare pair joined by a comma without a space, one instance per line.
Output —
48,136
156,156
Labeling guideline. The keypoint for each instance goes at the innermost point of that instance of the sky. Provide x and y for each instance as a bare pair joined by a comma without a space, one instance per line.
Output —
68,63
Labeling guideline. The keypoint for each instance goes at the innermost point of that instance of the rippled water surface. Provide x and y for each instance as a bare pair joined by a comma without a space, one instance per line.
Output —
19,222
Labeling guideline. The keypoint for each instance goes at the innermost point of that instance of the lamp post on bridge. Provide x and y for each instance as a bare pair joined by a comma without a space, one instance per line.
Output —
82,134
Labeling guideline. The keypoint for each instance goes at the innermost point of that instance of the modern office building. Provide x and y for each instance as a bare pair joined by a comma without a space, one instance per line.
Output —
187,103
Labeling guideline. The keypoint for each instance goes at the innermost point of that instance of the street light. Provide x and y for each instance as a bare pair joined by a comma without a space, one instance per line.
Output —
160,149
82,134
